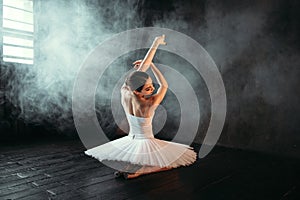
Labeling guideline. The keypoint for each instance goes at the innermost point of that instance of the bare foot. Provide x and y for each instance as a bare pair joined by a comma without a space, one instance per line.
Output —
134,175
163,169
131,175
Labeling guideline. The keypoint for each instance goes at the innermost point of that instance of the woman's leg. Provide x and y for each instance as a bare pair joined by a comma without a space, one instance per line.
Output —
145,170
127,169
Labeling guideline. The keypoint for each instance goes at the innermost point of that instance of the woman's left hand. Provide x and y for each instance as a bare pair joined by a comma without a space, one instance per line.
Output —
137,63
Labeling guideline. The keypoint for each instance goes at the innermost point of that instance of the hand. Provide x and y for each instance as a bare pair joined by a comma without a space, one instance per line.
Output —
137,63
160,40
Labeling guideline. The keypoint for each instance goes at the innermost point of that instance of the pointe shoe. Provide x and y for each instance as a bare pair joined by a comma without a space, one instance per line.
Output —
118,174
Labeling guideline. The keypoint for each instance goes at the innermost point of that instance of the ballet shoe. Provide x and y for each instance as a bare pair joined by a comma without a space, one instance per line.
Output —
118,174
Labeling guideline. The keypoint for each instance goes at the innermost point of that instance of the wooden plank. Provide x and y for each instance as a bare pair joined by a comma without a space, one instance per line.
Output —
270,178
41,167
30,191
28,166
62,172
52,182
68,192
36,154
49,173
42,181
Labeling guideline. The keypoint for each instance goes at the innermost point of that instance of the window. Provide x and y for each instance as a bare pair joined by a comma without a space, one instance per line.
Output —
17,30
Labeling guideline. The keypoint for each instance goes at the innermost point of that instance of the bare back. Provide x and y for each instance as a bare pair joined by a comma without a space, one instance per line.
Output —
139,107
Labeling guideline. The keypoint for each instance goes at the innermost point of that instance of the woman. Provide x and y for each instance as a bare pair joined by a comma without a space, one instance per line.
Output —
139,152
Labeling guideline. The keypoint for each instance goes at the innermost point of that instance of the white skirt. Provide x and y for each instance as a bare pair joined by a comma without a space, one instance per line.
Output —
133,154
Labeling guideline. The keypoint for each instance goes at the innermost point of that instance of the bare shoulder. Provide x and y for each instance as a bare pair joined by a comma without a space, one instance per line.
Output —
125,91
126,95
124,88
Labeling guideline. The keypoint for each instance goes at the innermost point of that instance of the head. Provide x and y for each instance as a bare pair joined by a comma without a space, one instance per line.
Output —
140,83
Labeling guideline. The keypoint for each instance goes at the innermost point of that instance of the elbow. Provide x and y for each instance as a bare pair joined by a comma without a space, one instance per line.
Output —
165,85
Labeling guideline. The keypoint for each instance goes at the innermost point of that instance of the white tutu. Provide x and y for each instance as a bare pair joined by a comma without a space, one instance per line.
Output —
140,149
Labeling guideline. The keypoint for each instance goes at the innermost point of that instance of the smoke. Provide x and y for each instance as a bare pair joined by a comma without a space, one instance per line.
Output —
226,33
255,48
252,43
239,39
65,33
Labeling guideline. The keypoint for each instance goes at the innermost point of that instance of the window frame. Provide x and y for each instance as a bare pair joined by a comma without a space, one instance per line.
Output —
20,34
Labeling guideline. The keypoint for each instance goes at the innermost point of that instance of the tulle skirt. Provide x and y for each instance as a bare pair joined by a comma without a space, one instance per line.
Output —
143,155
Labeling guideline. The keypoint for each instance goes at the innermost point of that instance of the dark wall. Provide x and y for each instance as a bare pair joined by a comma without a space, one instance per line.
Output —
260,69
255,45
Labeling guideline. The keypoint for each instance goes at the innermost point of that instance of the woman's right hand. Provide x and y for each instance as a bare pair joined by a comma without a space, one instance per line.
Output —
160,40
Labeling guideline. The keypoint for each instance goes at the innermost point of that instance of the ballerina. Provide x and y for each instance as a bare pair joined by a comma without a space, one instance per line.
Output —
139,152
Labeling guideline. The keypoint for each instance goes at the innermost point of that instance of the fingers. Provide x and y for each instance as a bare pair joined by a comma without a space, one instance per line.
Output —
163,36
161,39
163,42
137,62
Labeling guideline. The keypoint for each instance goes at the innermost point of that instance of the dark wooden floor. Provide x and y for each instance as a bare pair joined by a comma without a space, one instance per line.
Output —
60,170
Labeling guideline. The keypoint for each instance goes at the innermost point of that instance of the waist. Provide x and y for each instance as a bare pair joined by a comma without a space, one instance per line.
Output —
140,136
141,132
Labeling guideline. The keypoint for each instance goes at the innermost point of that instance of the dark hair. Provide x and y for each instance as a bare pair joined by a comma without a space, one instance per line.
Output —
136,80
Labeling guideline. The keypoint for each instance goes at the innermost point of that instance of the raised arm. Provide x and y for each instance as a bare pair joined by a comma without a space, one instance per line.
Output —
151,52
158,97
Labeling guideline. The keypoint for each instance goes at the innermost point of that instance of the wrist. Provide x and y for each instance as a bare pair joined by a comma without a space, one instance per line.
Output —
155,44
